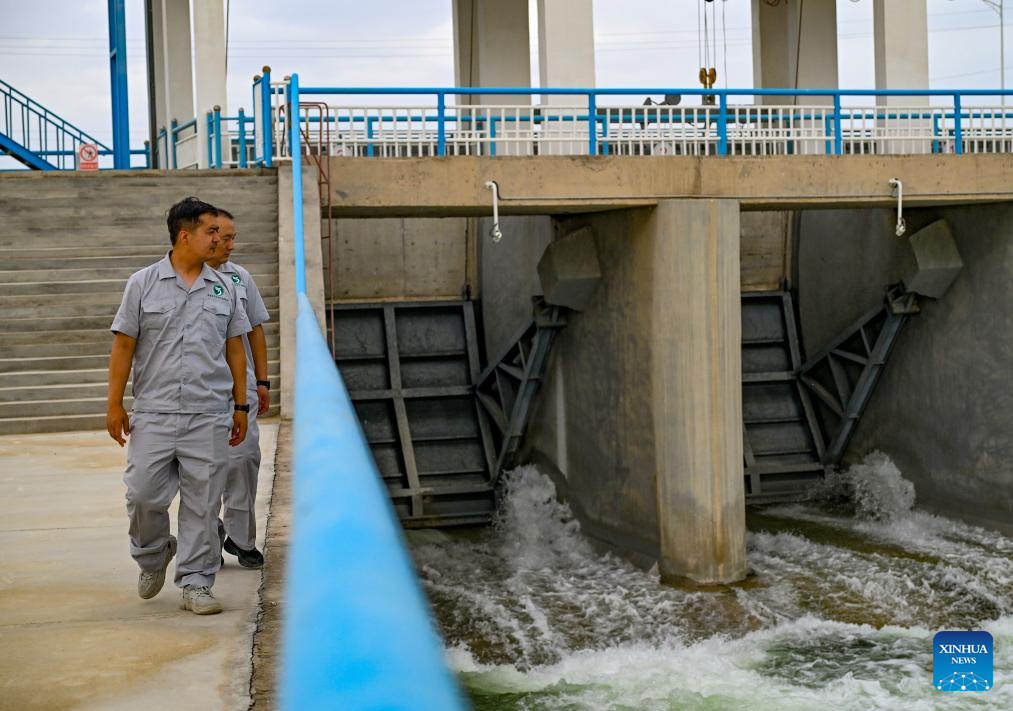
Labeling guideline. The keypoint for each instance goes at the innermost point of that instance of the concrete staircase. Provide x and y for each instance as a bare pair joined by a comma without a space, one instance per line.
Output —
68,245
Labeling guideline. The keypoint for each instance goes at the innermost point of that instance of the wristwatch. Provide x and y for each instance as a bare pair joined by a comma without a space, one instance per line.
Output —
265,383
242,408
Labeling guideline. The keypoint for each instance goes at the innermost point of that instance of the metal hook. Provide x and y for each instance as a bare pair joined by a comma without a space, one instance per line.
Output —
899,188
495,231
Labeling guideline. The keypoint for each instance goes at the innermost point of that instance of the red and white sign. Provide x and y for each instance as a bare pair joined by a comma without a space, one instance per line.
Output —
87,156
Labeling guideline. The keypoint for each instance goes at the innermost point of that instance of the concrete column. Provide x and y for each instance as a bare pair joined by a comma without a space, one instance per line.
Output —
770,49
696,370
565,60
652,392
491,46
209,45
173,64
901,37
795,46
565,46
159,75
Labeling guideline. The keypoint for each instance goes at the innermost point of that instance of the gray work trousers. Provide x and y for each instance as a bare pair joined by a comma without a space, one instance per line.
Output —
241,487
166,454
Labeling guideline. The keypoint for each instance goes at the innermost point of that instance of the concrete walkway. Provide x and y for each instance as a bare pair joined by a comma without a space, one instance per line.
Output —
73,633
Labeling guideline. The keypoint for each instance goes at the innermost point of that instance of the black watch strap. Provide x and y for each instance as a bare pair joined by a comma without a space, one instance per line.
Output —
265,383
242,408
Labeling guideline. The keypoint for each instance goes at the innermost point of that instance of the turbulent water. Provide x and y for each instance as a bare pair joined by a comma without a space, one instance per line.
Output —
838,614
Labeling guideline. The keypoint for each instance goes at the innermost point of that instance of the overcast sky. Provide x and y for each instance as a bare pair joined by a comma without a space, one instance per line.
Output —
56,50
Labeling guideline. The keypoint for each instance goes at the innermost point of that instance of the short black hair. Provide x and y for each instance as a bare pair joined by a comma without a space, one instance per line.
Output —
185,214
222,212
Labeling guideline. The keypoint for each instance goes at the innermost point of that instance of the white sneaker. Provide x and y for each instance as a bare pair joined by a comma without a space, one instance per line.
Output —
150,583
200,600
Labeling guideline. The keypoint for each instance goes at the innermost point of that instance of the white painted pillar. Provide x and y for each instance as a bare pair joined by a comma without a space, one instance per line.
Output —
795,47
173,66
812,46
565,60
901,39
565,46
770,49
209,45
491,45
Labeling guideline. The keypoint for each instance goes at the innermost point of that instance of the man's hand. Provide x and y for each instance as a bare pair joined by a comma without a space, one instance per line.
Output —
264,398
118,423
239,425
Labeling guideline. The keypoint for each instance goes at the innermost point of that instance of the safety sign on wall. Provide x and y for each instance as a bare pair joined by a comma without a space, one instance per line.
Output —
87,156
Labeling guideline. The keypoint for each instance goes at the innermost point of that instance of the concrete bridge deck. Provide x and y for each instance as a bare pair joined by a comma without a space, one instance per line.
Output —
73,633
455,186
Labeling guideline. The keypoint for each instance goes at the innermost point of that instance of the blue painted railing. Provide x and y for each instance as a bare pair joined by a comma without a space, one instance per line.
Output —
357,630
721,112
39,137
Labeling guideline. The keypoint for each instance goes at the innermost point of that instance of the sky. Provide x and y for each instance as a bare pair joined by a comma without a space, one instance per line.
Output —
56,51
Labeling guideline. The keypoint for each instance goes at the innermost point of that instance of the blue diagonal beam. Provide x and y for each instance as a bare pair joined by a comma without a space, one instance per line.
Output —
22,154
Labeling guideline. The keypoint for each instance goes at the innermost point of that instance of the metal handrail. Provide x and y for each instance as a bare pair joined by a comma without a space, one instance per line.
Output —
357,631
720,111
41,131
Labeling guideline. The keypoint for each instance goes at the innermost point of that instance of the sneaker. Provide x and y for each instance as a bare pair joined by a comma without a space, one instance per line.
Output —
149,583
247,558
200,600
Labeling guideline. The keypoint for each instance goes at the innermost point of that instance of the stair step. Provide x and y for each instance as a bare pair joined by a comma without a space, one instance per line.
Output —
63,362
62,324
34,384
65,306
72,338
153,250
11,261
86,403
266,282
103,273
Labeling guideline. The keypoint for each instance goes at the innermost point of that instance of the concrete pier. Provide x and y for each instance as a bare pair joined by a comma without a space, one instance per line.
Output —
645,419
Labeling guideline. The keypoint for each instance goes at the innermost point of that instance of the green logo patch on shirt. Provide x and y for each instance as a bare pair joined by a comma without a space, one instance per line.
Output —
218,290
236,280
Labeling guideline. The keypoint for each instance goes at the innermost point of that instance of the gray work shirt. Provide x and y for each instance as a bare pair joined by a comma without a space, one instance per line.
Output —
179,361
256,311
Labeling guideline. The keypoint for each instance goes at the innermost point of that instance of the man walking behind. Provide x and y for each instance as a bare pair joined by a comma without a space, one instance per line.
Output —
179,325
240,525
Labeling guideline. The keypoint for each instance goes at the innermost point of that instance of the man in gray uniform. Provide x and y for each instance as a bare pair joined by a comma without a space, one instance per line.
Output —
180,325
239,530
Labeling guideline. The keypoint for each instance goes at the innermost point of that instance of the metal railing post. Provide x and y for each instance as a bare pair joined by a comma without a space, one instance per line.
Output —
211,127
265,117
295,148
838,133
592,124
172,138
722,123
217,122
242,139
958,130
441,126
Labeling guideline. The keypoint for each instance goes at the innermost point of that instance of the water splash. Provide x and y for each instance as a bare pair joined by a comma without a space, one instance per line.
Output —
874,487
840,613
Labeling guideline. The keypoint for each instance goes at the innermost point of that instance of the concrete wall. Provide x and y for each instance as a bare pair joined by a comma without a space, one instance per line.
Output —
944,406
400,259
455,186
286,269
603,360
508,275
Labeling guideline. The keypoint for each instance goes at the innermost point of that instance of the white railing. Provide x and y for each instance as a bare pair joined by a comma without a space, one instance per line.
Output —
638,130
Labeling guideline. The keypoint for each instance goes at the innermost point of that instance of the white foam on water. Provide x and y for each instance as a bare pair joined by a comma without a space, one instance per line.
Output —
803,664
535,619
